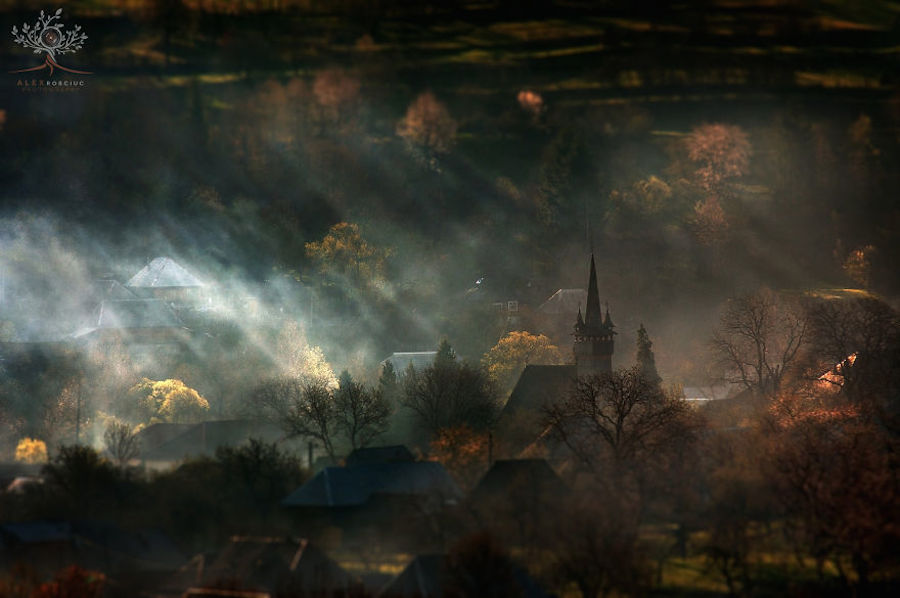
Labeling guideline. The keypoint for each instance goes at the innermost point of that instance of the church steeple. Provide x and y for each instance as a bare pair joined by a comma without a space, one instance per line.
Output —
594,333
593,316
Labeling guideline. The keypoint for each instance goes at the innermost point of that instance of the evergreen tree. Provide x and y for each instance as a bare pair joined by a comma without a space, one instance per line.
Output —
445,354
646,362
388,384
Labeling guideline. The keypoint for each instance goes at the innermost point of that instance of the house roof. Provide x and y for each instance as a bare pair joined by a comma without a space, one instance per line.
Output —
507,475
538,385
380,454
419,360
275,564
109,289
268,564
356,484
424,576
163,272
564,302
142,549
428,575
136,313
173,442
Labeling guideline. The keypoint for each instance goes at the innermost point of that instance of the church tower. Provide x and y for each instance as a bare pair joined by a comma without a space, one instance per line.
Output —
593,334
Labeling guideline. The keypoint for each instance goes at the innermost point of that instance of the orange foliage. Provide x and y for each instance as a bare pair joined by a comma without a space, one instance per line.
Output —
463,452
722,151
334,88
708,222
72,582
531,102
428,123
858,265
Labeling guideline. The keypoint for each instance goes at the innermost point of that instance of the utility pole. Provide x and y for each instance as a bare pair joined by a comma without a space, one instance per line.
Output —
78,413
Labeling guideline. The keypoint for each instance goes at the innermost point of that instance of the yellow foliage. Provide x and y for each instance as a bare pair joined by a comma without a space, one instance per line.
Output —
299,359
344,254
169,400
31,450
506,360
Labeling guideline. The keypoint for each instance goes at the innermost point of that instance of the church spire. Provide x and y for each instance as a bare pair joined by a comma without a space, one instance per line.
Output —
593,333
592,314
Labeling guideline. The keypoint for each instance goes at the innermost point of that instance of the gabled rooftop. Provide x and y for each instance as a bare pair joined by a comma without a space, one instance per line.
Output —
355,485
419,360
137,313
163,273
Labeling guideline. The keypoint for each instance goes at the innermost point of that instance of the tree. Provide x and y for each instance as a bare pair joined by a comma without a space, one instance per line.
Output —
836,476
303,408
121,442
299,359
168,400
479,567
446,355
858,342
616,419
428,124
344,256
759,340
449,394
362,413
555,182
31,451
256,476
646,362
722,152
506,360
463,452
388,384
78,478
72,582
594,544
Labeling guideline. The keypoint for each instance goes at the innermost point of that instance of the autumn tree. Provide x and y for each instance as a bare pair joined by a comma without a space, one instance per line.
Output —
300,359
343,255
721,151
857,342
362,413
463,452
506,360
758,341
166,401
72,582
336,91
428,125
835,474
31,451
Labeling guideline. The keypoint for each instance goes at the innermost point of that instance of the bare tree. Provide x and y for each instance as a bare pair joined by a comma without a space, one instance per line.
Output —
304,408
619,416
758,341
859,341
362,413
121,443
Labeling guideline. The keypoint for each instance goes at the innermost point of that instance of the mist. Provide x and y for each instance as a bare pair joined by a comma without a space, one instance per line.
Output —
341,182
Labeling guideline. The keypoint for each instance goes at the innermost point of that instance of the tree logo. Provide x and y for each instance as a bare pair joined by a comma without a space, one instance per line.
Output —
49,37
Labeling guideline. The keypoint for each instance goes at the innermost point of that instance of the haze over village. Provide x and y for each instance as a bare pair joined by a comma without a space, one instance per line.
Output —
410,299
